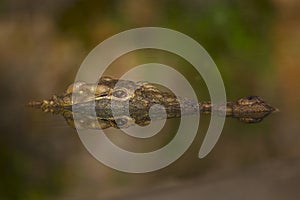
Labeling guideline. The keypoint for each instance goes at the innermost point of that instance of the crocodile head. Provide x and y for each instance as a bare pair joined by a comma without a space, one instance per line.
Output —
121,101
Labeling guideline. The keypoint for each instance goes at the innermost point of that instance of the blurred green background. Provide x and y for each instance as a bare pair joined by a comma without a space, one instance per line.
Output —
255,44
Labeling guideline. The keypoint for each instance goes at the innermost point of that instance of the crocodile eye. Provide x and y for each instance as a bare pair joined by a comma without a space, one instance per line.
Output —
119,93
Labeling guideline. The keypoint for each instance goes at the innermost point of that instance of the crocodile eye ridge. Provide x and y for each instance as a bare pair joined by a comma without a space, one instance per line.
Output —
119,93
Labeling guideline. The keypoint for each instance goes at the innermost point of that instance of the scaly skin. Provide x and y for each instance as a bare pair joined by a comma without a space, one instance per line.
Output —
132,101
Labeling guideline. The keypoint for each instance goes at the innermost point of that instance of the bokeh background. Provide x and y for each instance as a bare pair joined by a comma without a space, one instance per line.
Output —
255,44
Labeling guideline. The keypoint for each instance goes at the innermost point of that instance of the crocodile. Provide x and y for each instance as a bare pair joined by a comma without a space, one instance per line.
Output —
124,103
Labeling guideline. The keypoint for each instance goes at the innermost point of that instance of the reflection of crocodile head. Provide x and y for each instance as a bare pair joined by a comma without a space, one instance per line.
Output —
131,102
